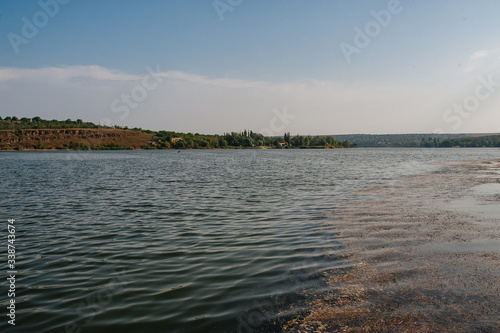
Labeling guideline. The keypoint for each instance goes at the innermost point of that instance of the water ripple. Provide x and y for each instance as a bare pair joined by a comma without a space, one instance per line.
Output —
164,242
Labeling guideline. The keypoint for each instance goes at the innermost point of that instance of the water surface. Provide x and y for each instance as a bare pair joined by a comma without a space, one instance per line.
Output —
160,241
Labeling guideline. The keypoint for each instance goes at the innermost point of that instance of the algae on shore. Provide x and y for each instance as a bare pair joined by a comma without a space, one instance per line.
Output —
425,253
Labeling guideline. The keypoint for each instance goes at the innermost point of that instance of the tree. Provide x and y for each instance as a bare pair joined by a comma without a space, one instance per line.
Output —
222,142
286,138
179,144
246,142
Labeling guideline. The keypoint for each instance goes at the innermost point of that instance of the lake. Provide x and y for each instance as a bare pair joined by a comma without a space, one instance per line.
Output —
190,241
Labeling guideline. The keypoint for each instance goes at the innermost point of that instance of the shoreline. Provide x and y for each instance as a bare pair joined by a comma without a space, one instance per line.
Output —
129,148
425,257
179,149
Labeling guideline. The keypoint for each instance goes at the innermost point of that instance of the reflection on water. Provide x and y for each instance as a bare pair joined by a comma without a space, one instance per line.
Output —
156,241
482,200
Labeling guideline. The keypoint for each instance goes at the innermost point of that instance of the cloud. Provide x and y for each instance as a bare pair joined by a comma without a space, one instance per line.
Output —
224,82
196,103
64,74
73,73
479,54
483,60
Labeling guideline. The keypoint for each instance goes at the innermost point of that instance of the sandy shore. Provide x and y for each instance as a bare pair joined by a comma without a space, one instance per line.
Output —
425,255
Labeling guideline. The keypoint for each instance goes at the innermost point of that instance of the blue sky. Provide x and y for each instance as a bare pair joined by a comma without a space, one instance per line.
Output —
427,66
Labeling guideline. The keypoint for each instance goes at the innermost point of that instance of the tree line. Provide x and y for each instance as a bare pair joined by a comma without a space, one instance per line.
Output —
178,140
466,142
12,123
245,139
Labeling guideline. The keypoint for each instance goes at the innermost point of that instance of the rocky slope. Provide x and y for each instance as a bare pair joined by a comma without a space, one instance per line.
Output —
78,138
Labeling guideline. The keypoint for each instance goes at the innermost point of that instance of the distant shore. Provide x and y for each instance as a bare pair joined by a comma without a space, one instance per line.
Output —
105,138
425,252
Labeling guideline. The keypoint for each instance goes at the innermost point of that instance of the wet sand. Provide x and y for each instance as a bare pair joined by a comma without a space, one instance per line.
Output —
424,254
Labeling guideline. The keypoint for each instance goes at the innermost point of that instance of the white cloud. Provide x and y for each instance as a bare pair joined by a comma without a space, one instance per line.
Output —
482,60
196,103
224,82
64,74
479,54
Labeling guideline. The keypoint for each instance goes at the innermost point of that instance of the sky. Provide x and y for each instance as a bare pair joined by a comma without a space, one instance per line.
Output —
305,67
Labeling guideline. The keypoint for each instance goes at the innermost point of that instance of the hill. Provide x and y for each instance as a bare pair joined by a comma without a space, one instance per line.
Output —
36,133
421,140
74,138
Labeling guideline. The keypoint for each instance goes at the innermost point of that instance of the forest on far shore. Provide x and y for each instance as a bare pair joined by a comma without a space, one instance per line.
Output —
244,139
51,139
